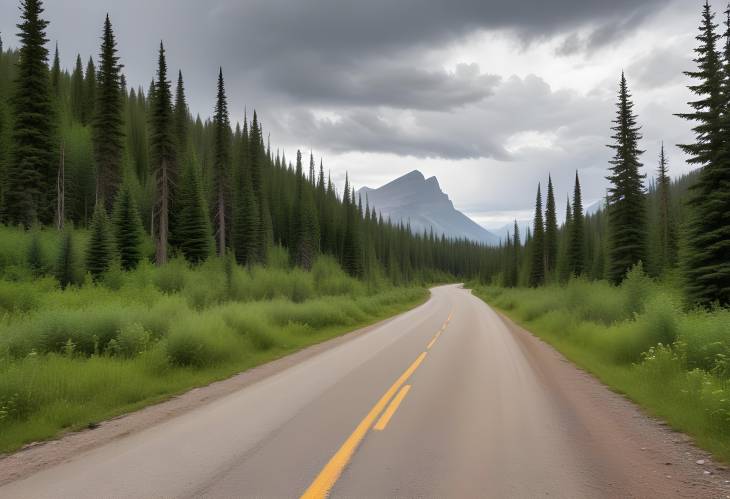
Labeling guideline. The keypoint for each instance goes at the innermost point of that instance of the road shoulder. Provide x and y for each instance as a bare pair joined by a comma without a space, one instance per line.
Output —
37,456
668,461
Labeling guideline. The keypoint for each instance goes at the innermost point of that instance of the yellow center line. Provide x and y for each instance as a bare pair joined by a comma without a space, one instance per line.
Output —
394,404
435,337
326,479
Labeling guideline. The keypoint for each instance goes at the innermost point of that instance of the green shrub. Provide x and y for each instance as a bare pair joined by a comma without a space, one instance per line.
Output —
200,341
637,288
133,339
171,278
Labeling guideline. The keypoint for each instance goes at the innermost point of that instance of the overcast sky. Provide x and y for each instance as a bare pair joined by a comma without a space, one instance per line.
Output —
488,95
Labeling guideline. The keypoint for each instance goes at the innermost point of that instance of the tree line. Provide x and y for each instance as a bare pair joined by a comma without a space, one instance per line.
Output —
672,229
81,149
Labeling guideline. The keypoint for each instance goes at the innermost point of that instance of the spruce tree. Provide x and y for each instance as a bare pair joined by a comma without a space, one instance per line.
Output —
576,243
256,165
31,175
564,270
666,248
626,210
89,109
127,229
181,117
108,120
706,262
306,237
193,226
56,74
221,165
707,109
162,149
99,251
77,91
351,254
551,231
514,270
537,267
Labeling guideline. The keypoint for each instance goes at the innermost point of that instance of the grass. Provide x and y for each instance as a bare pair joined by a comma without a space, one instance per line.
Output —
638,340
71,358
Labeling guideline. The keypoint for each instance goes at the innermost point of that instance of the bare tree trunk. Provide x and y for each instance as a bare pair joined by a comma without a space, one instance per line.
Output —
162,226
61,189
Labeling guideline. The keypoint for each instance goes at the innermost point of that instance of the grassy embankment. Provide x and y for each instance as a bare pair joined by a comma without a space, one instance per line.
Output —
638,339
73,357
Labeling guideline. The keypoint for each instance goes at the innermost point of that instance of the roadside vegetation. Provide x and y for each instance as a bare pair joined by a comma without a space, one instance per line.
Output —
75,356
639,340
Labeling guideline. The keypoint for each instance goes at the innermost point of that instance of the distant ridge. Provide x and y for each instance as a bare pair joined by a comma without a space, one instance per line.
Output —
420,201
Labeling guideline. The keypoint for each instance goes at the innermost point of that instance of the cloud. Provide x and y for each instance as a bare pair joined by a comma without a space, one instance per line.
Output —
381,84
481,130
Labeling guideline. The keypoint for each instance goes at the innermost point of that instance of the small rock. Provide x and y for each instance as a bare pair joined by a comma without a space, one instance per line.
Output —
707,472
669,476
667,464
643,448
700,462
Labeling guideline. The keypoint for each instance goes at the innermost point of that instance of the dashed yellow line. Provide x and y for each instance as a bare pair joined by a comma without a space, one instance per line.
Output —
394,404
326,479
331,472
435,337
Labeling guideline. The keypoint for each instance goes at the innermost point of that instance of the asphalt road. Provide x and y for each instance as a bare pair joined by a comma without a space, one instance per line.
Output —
446,400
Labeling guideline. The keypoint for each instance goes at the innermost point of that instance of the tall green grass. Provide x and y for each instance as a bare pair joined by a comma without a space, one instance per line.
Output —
638,339
71,357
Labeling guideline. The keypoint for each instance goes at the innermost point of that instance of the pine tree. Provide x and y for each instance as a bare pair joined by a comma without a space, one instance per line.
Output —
181,117
127,229
221,165
666,250
514,270
163,146
89,109
627,211
66,264
306,237
707,109
564,270
351,254
107,122
576,243
193,225
537,267
31,173
706,262
256,152
56,75
551,231
77,91
99,251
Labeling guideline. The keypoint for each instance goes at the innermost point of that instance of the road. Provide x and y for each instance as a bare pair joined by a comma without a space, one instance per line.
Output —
447,400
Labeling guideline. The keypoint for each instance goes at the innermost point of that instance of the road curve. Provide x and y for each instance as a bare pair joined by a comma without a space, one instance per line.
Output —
447,400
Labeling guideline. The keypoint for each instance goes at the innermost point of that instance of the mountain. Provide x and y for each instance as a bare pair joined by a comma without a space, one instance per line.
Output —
421,201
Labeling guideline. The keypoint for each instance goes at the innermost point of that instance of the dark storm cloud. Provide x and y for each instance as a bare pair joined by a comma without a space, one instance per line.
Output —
351,75
383,84
352,52
478,131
